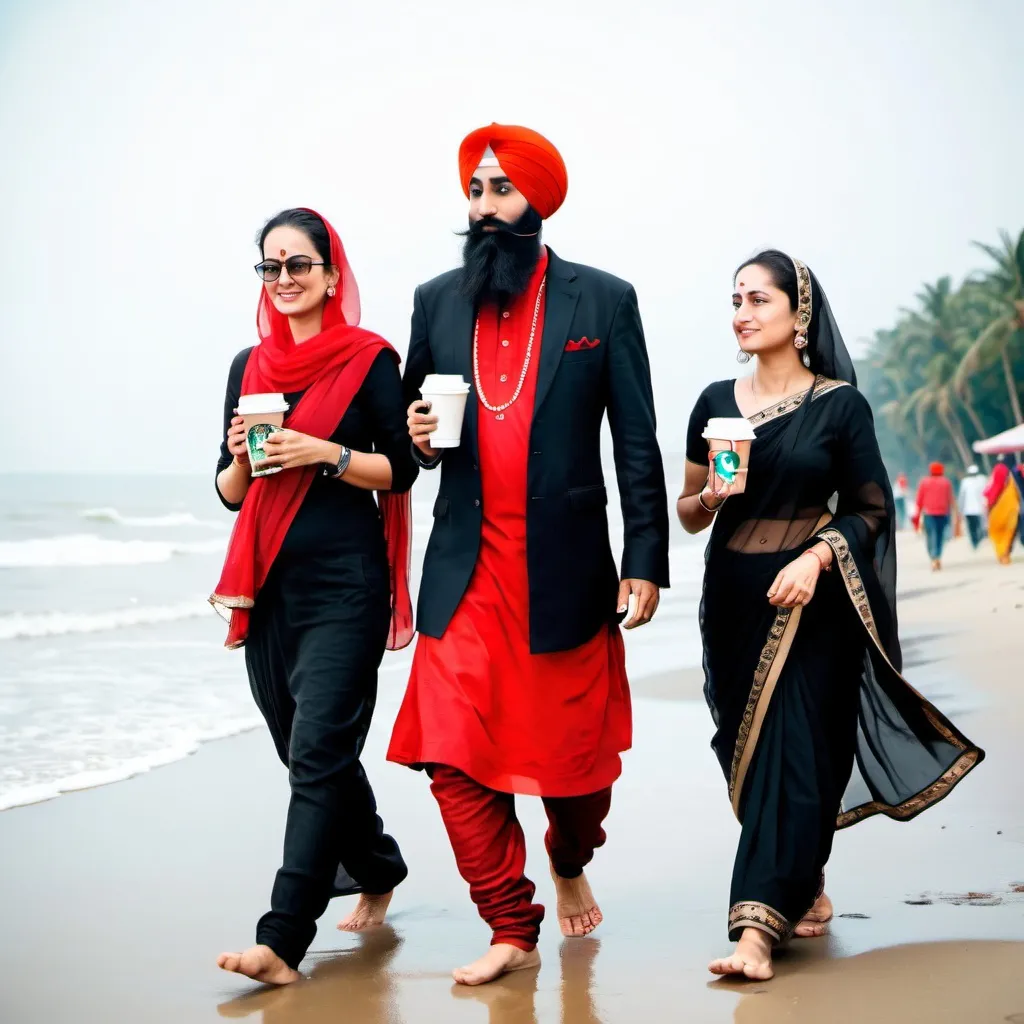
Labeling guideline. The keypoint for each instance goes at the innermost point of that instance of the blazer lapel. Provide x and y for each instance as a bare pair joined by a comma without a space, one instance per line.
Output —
560,306
460,342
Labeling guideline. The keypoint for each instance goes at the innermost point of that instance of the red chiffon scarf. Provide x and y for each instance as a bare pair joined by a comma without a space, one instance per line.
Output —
330,368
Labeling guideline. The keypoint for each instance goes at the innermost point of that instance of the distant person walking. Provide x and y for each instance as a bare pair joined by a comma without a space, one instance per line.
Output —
936,505
899,497
972,504
1003,496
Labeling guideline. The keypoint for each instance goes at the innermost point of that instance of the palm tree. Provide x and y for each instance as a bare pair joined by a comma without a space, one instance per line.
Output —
935,338
1000,293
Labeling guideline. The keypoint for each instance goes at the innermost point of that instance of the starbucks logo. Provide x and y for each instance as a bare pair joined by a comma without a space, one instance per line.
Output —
727,464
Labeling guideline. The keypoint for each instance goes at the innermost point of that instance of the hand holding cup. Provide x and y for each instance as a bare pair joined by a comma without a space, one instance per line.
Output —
422,423
236,441
717,486
257,414
729,440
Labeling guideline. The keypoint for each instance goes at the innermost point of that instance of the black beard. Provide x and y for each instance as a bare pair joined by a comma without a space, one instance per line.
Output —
497,265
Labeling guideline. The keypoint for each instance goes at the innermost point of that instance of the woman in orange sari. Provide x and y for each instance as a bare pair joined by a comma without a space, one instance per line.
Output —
1003,495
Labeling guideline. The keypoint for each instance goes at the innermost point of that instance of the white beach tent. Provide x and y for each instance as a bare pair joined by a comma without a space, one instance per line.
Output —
1011,440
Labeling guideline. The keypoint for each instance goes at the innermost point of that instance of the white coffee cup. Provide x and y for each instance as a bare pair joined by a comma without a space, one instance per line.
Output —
446,393
729,439
265,408
268,408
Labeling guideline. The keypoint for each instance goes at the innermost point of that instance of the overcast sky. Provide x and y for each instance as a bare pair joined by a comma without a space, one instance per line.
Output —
143,145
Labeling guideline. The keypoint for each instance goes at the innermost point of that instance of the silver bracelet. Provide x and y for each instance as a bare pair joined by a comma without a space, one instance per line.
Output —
708,508
336,472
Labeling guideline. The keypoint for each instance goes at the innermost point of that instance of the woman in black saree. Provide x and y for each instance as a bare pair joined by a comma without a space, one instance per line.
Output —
815,727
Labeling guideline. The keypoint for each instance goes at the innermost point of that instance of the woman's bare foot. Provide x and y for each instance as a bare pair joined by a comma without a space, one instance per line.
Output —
260,963
577,910
752,957
814,923
370,911
500,959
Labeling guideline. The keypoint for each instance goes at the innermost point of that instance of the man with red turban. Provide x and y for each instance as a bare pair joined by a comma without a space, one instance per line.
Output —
518,683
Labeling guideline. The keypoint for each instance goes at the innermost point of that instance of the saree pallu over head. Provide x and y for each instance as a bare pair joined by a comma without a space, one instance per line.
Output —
816,474
329,369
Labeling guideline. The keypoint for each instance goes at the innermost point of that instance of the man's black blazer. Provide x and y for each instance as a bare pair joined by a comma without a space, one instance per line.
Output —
572,576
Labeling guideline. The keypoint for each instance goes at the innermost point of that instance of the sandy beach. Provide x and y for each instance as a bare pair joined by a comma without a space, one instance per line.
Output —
117,900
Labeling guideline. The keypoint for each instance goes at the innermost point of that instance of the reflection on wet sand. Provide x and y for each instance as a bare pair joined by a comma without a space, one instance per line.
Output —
512,999
578,981
356,985
934,983
360,986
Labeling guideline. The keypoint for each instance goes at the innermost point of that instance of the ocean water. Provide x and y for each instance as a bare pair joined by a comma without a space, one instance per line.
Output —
111,659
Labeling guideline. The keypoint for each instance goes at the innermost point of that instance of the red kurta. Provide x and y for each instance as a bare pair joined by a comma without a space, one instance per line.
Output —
478,700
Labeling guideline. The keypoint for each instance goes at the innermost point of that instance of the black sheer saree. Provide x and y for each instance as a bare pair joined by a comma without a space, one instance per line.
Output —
816,728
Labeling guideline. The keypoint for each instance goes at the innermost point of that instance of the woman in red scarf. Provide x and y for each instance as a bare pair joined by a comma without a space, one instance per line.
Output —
316,575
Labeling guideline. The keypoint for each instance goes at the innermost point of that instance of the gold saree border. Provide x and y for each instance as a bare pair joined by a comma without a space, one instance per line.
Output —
822,386
750,914
769,668
970,756
231,602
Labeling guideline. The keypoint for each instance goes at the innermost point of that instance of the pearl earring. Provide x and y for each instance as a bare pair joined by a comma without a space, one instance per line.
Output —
331,292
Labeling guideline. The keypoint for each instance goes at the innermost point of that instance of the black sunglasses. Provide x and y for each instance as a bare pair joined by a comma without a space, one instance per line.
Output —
298,266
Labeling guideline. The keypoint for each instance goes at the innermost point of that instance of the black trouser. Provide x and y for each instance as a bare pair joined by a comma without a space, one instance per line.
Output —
316,640
975,529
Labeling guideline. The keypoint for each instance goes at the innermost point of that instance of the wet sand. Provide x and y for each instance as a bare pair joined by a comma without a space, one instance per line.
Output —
117,900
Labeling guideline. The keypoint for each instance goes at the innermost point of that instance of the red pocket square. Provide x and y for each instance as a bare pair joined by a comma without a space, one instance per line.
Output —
583,343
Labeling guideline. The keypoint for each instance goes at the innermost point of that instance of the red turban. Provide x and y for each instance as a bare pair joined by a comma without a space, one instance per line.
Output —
936,469
532,164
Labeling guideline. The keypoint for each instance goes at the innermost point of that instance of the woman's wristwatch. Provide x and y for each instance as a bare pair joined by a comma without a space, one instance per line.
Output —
338,471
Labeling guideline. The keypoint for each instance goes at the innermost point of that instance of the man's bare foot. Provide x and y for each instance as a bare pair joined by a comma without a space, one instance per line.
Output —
500,959
814,923
752,957
260,963
577,910
370,911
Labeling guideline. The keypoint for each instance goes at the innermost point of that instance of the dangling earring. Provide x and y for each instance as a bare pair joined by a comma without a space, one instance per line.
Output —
800,344
331,292
742,357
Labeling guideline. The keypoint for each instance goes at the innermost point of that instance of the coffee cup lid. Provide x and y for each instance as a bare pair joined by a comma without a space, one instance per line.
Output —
444,384
729,428
254,405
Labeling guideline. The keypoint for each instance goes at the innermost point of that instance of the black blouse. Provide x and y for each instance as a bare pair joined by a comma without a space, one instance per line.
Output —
335,517
826,459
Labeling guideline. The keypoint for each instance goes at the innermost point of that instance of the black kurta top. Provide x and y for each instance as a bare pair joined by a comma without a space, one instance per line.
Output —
335,518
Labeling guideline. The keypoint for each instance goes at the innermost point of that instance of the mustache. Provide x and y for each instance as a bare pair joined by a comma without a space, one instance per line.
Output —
478,228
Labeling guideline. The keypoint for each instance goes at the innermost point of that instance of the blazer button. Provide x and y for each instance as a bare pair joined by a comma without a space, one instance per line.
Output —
476,501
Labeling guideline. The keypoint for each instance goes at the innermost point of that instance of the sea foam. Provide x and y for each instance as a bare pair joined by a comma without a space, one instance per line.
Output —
85,549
